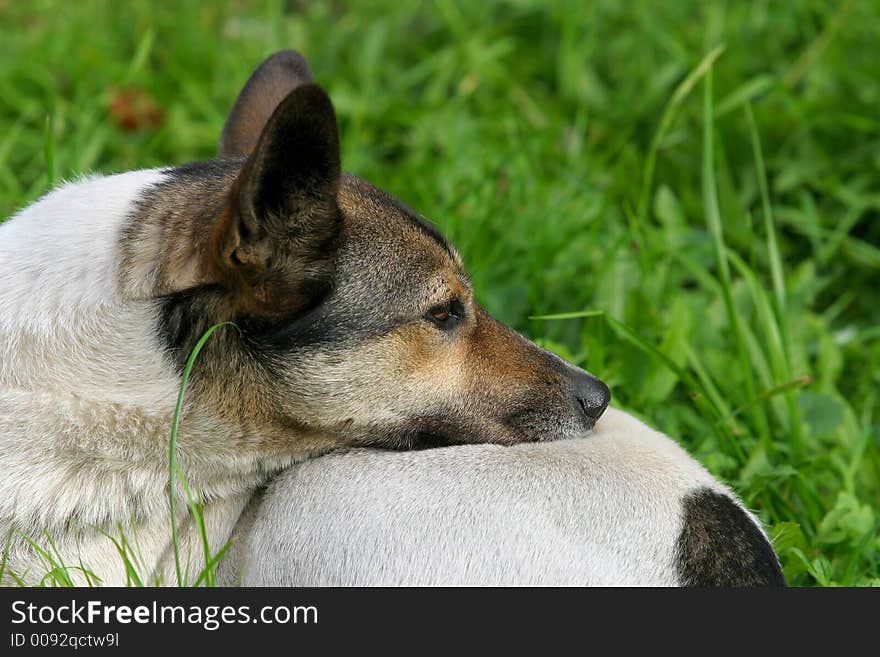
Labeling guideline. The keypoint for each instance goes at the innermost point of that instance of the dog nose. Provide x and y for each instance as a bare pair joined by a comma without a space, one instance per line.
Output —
592,395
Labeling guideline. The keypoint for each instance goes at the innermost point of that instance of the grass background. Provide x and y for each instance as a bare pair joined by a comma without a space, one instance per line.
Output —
702,178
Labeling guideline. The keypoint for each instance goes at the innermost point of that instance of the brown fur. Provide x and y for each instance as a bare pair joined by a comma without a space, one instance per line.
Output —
280,74
331,283
355,323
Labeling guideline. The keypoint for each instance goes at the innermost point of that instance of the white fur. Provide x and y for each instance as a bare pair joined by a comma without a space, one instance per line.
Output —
604,509
86,402
65,326
86,394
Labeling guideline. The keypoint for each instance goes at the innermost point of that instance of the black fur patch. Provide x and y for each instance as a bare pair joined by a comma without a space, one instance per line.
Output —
720,545
203,171
184,317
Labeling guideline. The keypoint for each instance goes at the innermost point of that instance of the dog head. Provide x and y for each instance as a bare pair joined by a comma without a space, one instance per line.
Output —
355,320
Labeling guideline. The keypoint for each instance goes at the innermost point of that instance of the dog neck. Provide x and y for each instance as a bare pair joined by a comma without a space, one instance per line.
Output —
87,394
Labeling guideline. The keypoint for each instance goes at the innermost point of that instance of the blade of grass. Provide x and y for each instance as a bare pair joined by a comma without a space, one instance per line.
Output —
49,152
211,566
132,548
681,92
19,579
744,94
141,54
572,315
92,580
818,45
711,390
59,558
5,557
776,274
769,224
197,509
774,344
54,570
703,400
700,396
122,546
172,442
713,219
794,384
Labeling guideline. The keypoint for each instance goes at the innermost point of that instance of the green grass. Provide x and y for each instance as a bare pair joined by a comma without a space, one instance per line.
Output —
175,475
698,183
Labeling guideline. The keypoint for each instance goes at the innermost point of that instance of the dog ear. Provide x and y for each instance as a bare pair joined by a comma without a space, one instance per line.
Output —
268,85
275,241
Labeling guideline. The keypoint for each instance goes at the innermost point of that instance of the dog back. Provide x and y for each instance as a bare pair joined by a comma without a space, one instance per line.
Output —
623,506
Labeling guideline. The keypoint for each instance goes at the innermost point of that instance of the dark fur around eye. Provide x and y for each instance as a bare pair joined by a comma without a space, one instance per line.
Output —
446,315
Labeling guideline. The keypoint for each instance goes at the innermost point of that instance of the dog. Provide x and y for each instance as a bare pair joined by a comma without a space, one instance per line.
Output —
346,321
624,506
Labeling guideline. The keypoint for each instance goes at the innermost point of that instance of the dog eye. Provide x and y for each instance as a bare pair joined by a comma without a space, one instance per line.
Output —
445,315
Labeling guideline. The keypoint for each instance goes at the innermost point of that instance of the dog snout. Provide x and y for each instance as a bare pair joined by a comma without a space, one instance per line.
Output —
592,395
